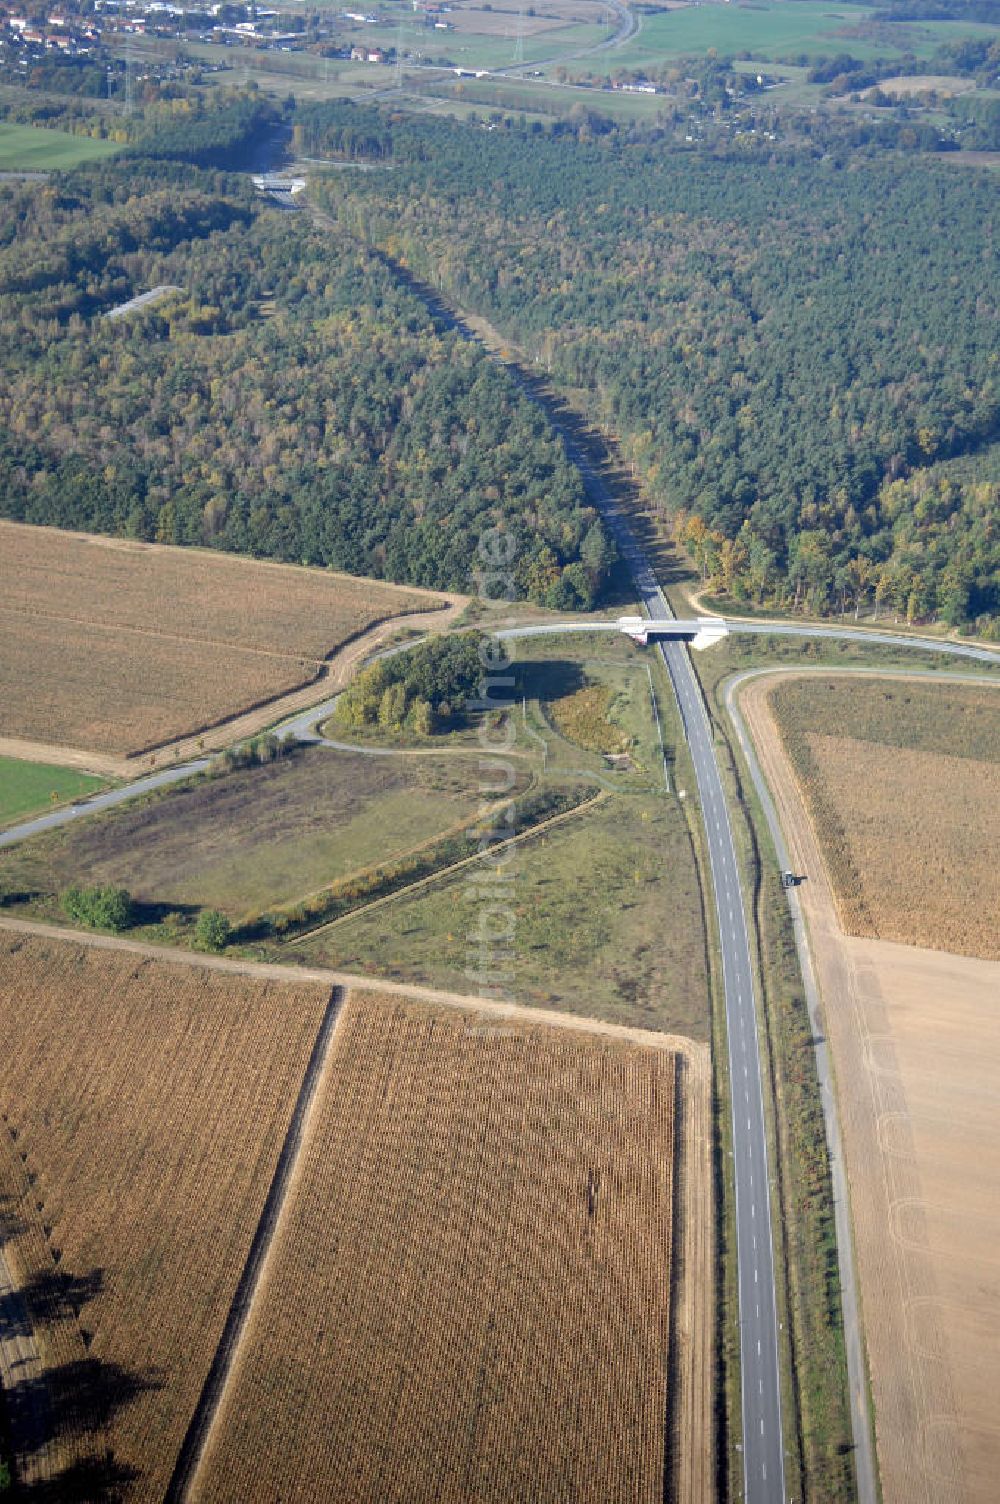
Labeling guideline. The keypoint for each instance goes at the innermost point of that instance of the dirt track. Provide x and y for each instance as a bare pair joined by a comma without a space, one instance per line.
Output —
916,1048
693,1334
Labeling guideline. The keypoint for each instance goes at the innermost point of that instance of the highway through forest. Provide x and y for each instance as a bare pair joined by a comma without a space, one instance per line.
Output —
760,1369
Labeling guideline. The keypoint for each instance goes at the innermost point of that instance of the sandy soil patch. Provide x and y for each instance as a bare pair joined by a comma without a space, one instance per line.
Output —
921,83
915,1037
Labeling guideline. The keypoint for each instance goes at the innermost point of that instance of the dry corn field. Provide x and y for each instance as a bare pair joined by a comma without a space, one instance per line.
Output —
144,1106
469,1297
117,647
903,783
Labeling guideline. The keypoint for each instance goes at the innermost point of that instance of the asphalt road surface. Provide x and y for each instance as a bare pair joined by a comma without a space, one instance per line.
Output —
867,634
763,1446
89,806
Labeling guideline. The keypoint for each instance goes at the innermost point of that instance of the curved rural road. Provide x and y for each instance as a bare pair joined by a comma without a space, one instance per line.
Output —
913,643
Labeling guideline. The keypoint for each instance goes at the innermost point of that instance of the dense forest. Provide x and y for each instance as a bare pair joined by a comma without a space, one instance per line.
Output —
292,400
792,355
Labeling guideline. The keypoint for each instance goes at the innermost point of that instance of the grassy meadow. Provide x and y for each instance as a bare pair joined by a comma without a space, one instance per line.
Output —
28,148
606,901
605,908
29,788
784,29
316,816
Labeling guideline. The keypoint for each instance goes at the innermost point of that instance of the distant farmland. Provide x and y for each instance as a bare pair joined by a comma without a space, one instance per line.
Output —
470,1297
143,1109
118,647
28,148
903,781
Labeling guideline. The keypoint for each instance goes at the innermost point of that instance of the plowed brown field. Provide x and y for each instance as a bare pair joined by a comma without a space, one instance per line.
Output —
144,1106
117,647
469,1297
915,1037
903,784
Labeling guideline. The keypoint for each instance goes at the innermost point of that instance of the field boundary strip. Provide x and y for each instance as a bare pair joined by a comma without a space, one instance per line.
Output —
519,1012
212,1396
465,861
494,807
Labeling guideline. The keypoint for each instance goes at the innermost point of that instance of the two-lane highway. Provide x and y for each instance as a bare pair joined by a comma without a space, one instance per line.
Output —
763,1445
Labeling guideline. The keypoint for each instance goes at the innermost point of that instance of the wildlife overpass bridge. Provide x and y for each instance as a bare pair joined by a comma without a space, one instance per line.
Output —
700,633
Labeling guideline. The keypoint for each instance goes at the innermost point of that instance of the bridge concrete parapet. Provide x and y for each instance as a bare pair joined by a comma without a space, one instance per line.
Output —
703,632
273,182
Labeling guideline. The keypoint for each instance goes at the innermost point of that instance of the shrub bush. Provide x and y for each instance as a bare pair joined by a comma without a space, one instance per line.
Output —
104,907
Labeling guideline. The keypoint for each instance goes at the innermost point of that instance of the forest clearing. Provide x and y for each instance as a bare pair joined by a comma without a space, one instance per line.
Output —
474,1272
119,647
916,1047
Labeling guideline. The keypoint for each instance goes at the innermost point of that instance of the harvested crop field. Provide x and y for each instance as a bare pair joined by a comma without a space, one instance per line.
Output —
915,1036
470,1295
903,781
945,84
144,1106
118,647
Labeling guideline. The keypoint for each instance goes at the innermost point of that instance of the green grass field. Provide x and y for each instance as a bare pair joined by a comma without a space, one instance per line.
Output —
27,148
255,837
548,99
783,29
772,28
29,787
595,928
605,907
